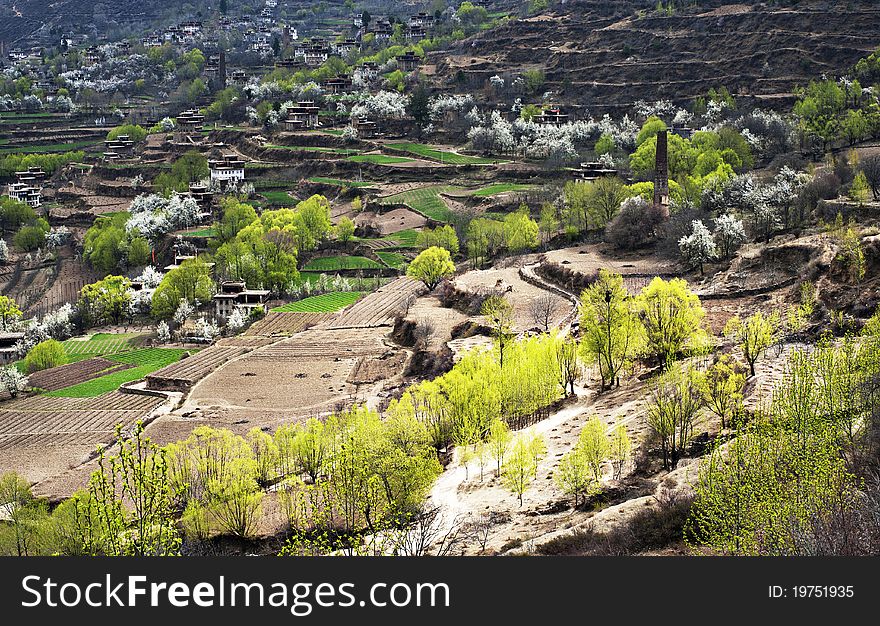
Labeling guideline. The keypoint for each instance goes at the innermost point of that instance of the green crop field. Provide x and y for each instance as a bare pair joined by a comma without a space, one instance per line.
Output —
392,259
280,198
102,344
425,200
378,159
499,188
405,238
315,149
339,263
211,231
55,147
443,156
335,133
145,362
341,183
325,303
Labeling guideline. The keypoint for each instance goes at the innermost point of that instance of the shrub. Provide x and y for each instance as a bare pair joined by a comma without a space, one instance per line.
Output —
29,238
44,355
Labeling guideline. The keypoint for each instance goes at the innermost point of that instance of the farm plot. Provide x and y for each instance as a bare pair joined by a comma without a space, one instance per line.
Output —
500,188
304,375
391,222
339,182
589,259
426,200
142,362
75,373
285,323
340,263
186,372
381,307
103,343
444,156
378,159
394,260
41,436
325,303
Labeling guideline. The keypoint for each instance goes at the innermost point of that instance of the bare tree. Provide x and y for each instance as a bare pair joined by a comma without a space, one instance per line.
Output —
426,534
543,308
423,332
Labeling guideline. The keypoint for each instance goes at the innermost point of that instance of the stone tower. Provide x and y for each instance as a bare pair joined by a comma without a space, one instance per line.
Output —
661,174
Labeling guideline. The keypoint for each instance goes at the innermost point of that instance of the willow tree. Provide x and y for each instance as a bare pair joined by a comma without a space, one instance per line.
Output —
753,335
611,333
674,406
672,317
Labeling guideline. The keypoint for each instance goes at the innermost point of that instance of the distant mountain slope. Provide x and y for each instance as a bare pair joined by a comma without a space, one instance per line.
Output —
22,18
602,56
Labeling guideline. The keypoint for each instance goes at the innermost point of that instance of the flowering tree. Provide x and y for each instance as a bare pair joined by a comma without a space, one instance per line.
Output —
729,234
12,381
698,247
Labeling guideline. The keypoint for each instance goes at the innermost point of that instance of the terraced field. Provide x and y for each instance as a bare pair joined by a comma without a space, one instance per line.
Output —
285,323
340,263
499,188
41,436
103,343
378,159
392,259
186,372
443,156
140,362
381,307
74,373
324,303
339,182
426,200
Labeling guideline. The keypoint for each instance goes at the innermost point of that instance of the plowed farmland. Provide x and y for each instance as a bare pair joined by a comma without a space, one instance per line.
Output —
381,307
41,436
185,373
285,323
75,373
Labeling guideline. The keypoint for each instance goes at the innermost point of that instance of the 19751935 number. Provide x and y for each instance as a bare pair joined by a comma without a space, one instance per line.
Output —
812,591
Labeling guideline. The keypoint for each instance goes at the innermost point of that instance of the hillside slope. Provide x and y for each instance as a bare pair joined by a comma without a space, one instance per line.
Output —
603,56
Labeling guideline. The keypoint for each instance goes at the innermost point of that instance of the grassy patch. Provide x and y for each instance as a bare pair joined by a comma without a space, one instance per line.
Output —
101,344
499,188
392,259
210,231
280,198
54,147
425,200
145,362
338,263
325,303
314,149
443,156
378,159
336,181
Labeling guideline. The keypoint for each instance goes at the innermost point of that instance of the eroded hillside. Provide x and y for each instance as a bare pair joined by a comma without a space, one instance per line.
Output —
605,56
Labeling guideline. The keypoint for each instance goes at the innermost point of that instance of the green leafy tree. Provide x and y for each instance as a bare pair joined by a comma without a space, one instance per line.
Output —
620,450
431,266
674,407
191,282
520,231
135,133
344,229
9,313
500,315
753,335
519,468
499,442
442,237
722,386
671,315
106,301
611,332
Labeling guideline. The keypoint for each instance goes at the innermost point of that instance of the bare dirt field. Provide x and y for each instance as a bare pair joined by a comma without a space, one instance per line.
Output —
286,323
442,319
521,294
390,222
590,258
187,371
74,373
41,436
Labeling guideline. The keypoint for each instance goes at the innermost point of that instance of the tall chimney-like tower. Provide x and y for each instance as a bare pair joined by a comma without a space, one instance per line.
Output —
221,71
661,174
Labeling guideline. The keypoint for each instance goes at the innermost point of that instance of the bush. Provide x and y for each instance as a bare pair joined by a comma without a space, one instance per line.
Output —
135,133
44,355
635,225
29,238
